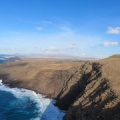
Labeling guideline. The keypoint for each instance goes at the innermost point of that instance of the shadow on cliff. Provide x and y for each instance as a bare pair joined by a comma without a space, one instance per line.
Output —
93,113
94,108
96,103
78,89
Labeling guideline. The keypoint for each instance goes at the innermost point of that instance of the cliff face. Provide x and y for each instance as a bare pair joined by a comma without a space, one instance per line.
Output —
76,86
88,90
46,77
99,98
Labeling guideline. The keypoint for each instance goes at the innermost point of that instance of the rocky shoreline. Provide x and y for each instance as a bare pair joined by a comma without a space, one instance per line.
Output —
88,90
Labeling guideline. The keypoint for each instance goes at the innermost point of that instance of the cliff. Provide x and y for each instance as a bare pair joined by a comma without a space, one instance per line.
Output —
44,76
99,92
88,90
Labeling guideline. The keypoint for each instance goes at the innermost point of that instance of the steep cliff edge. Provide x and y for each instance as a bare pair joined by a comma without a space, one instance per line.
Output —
88,90
99,99
46,77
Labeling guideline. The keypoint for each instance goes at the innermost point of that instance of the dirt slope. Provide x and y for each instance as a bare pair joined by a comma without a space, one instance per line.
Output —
46,77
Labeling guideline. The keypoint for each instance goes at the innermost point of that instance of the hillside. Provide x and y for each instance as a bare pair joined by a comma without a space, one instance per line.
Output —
99,98
43,76
88,90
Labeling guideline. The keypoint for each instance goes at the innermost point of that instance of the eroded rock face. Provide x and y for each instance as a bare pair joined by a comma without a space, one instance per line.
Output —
88,90
100,98
46,77
78,82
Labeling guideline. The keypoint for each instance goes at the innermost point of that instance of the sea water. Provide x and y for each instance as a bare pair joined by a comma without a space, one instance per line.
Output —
23,104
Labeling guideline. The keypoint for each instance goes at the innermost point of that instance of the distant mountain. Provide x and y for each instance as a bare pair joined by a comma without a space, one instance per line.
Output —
48,56
13,59
59,56
8,58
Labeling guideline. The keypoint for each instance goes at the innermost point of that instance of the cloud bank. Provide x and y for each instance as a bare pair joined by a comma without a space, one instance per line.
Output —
108,44
115,30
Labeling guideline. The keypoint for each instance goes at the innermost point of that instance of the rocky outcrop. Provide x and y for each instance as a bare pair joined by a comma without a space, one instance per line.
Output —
82,77
99,99
96,100
88,90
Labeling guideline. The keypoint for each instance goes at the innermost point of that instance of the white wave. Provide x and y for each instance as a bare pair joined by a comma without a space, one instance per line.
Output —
46,106
0,82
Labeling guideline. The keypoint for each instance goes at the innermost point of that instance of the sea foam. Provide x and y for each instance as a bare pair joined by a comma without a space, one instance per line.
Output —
45,106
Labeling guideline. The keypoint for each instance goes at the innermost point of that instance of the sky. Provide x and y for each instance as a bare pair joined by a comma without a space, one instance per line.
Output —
85,28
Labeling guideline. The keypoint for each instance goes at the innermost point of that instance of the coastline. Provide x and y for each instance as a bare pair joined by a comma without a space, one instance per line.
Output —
76,86
43,105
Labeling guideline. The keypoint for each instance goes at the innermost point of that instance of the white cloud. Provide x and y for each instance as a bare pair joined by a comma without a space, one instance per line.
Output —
108,44
66,40
115,30
39,28
53,50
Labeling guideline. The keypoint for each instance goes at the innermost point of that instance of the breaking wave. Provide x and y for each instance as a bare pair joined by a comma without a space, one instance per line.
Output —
23,104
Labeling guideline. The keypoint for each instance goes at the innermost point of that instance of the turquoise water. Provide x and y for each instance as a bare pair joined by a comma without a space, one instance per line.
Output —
23,104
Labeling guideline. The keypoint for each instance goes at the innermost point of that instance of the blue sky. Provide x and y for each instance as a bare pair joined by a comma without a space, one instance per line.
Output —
73,27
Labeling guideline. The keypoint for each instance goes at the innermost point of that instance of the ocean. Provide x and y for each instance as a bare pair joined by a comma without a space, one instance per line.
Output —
3,61
23,104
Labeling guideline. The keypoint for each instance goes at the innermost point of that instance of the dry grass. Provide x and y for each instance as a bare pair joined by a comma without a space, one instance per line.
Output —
111,71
